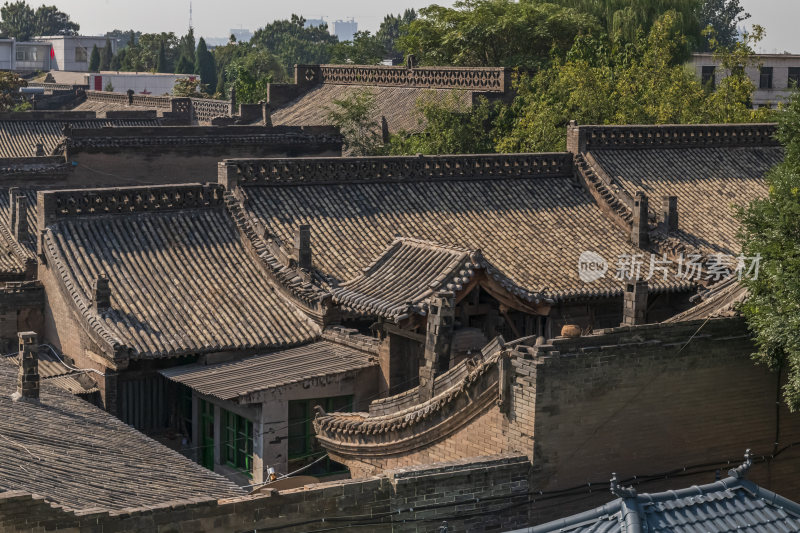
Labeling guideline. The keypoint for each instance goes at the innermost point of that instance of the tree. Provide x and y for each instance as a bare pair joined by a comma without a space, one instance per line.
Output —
48,20
109,87
392,27
161,61
10,99
21,22
494,33
94,60
365,49
116,60
251,75
771,230
206,66
644,82
189,88
355,117
186,54
106,55
450,127
723,16
292,43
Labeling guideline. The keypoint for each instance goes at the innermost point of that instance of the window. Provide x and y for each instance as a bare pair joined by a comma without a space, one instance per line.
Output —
80,55
303,446
794,77
237,442
34,54
709,77
20,55
766,78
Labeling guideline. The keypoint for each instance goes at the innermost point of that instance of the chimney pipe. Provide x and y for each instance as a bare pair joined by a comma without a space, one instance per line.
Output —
130,93
13,192
101,294
669,212
302,246
28,377
640,233
20,218
39,149
635,310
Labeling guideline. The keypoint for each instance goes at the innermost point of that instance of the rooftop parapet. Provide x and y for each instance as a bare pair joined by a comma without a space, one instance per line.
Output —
283,171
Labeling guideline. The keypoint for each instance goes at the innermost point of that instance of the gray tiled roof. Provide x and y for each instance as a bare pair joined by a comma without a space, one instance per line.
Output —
18,138
229,381
79,456
722,300
730,504
181,282
404,276
708,181
532,229
398,104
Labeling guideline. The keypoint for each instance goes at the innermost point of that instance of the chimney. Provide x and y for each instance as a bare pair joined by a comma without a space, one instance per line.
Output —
385,135
39,149
635,310
101,291
439,335
302,246
130,93
232,109
640,235
669,213
266,114
411,61
13,192
28,377
20,218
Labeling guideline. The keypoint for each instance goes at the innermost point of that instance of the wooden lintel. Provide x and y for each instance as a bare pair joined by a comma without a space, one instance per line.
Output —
394,330
501,294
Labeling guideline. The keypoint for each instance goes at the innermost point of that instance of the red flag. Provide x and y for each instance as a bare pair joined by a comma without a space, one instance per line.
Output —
52,53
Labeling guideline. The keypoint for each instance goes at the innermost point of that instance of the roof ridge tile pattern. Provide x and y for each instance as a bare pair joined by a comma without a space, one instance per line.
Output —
405,276
18,138
527,214
484,79
181,280
631,137
80,457
730,504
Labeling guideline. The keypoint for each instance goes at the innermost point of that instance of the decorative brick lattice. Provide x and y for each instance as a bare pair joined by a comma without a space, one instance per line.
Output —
616,137
77,202
475,79
326,170
204,110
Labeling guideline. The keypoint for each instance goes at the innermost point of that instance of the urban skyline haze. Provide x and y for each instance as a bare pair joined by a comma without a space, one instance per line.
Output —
214,19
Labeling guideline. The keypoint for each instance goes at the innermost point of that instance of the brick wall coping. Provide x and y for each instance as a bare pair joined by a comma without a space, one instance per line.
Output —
317,170
596,137
483,79
57,204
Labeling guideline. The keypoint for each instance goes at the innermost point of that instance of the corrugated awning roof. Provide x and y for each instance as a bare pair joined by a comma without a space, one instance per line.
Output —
228,381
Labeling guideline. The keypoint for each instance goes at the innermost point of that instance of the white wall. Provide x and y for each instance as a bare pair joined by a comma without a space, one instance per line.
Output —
780,64
65,48
141,83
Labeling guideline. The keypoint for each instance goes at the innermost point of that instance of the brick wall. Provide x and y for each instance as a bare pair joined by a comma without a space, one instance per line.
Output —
483,494
646,400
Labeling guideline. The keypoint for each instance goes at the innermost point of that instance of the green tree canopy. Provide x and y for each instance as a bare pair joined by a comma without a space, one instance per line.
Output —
106,55
94,60
10,99
494,33
161,59
723,16
392,27
251,74
206,66
355,118
21,22
771,230
292,43
364,49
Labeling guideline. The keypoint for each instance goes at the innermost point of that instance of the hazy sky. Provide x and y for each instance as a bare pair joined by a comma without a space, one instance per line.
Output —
213,18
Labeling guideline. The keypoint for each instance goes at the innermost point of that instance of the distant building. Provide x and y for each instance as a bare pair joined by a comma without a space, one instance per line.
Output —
774,75
24,56
314,22
72,52
344,29
242,35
